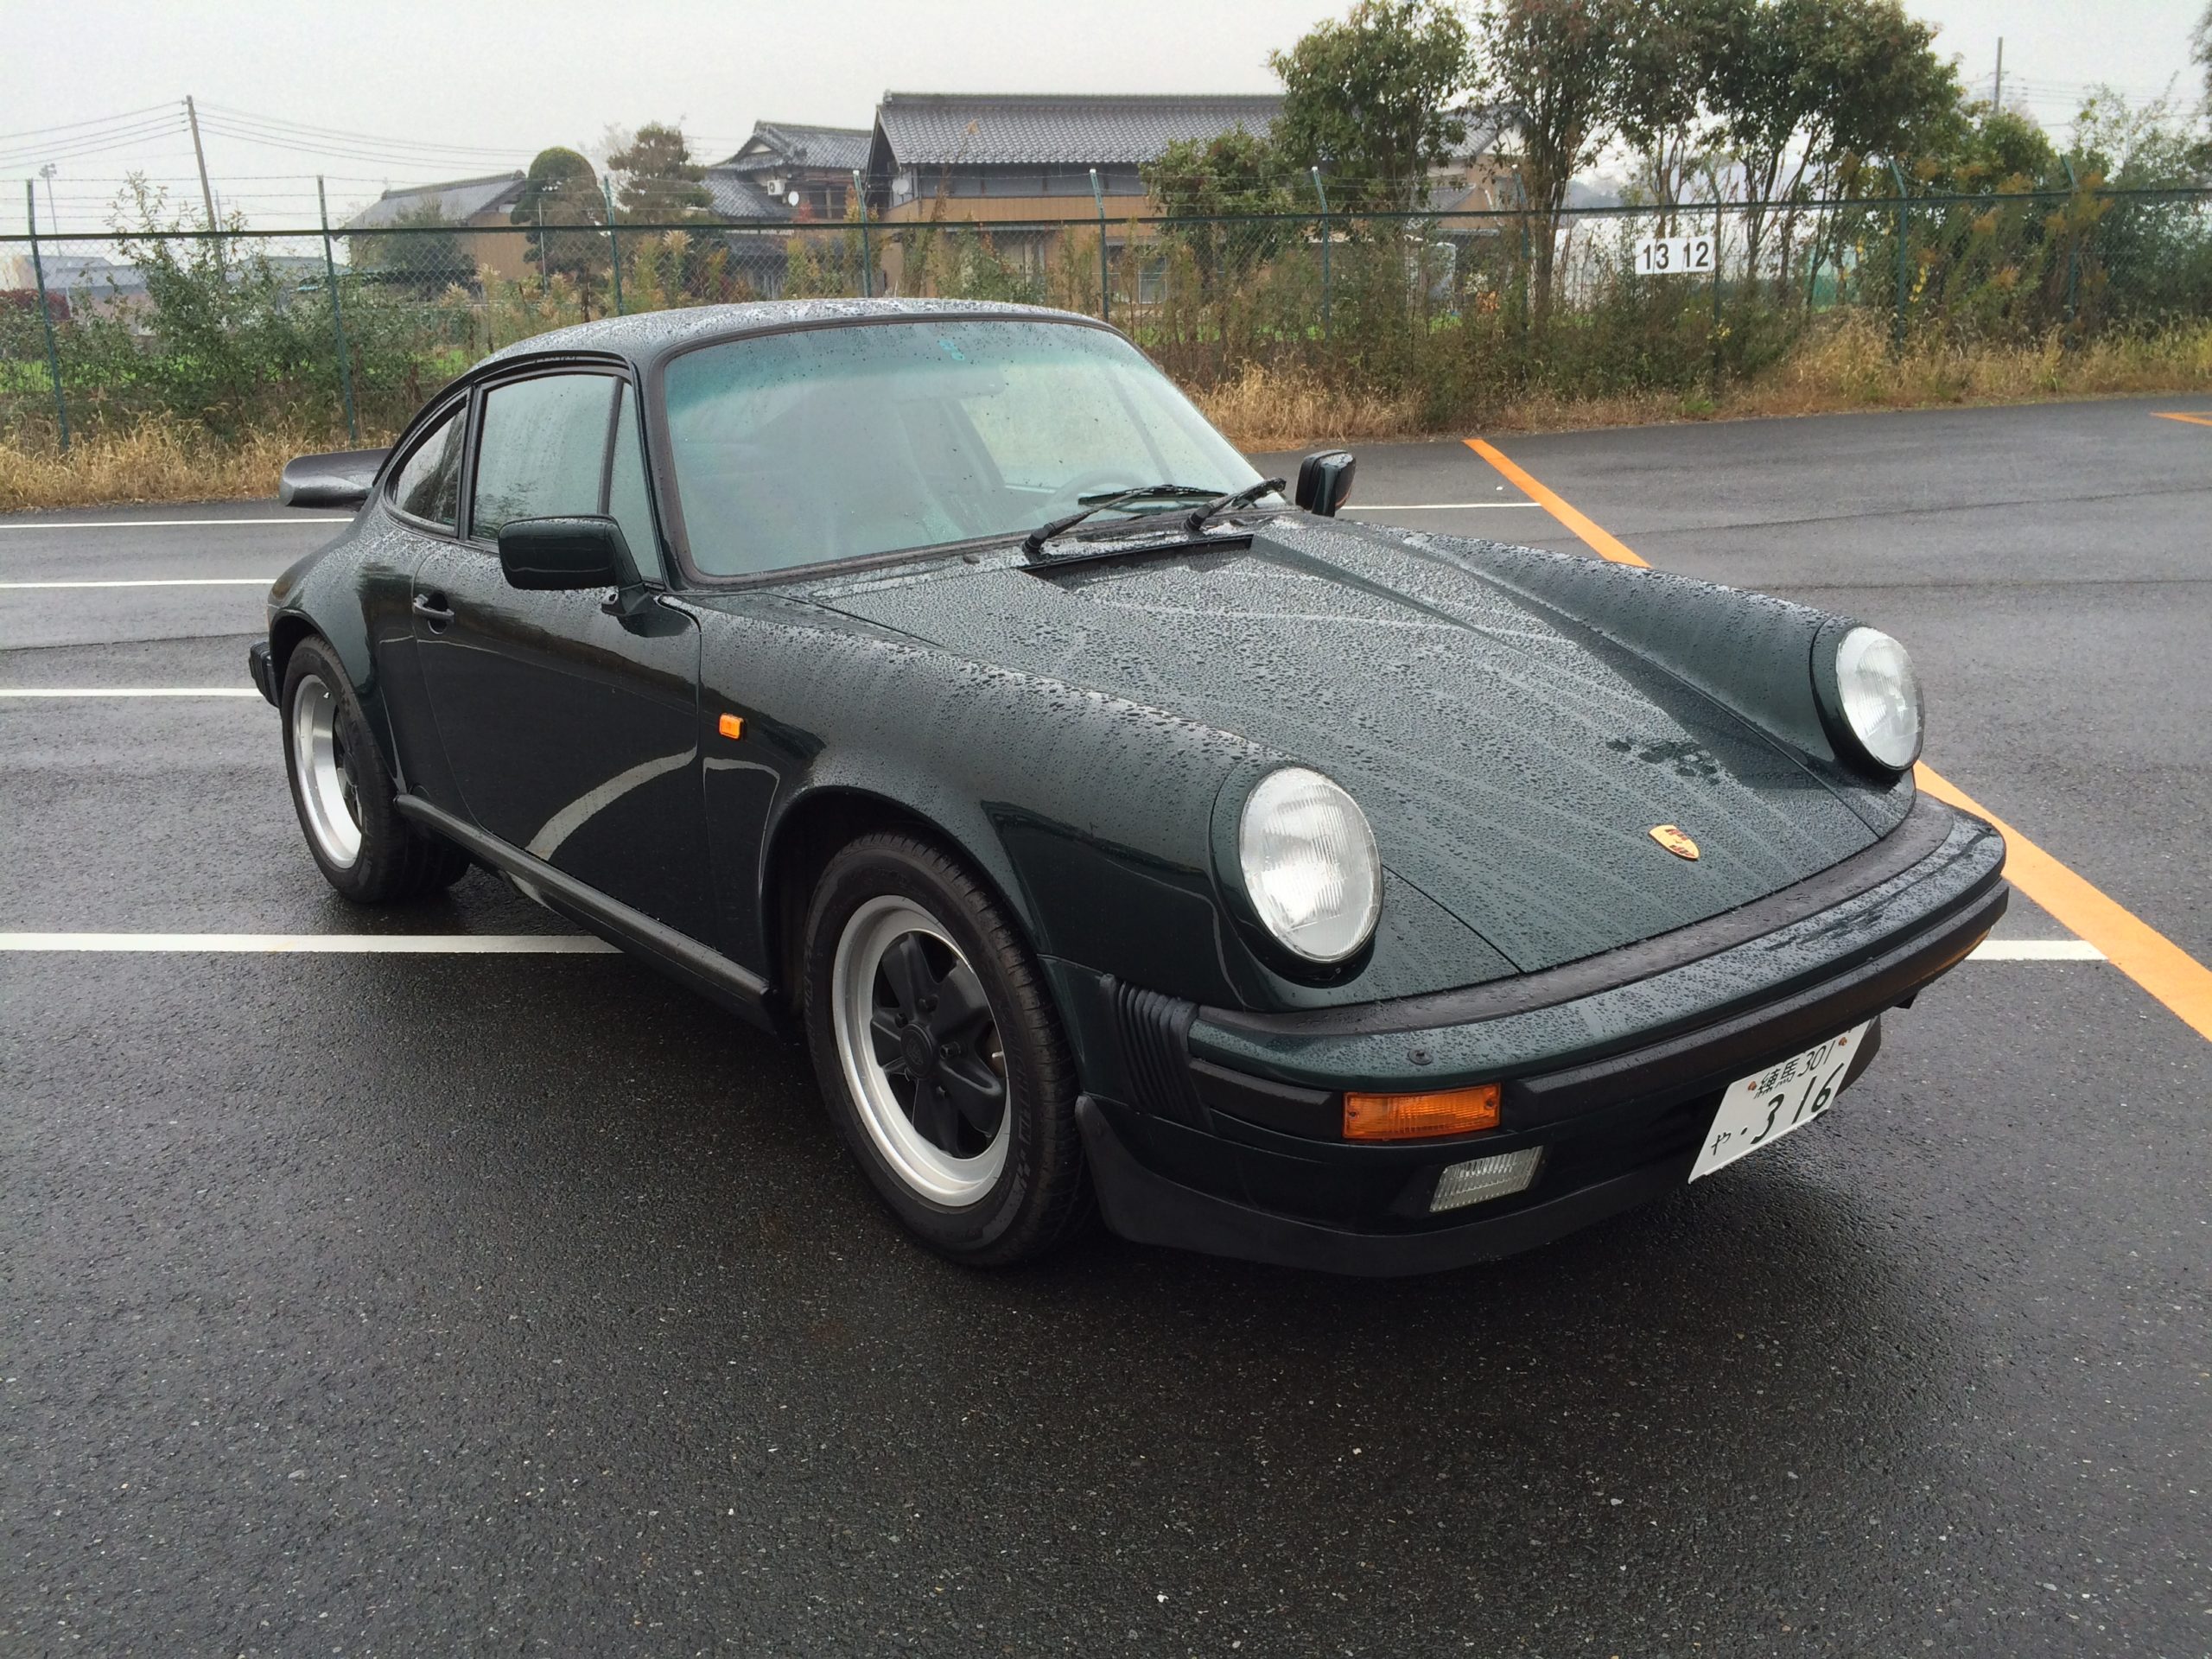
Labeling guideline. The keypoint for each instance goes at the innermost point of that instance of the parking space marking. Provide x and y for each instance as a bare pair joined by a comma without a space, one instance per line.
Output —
131,691
456,944
155,581
1433,506
2131,945
2194,420
173,523
588,944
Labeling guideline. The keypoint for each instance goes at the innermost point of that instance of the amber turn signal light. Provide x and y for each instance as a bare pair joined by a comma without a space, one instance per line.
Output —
731,726
1412,1118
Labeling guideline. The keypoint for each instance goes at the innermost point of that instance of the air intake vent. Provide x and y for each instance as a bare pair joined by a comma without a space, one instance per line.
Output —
1154,1030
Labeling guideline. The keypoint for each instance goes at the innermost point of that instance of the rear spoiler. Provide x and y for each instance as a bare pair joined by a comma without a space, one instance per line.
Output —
341,480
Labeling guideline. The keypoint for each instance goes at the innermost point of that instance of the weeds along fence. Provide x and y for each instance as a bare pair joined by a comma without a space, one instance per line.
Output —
322,333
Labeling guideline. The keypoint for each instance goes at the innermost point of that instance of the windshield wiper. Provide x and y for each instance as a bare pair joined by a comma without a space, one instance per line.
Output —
1230,503
1033,543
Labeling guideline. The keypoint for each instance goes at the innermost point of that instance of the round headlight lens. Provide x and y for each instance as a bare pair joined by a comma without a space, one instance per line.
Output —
1880,696
1310,864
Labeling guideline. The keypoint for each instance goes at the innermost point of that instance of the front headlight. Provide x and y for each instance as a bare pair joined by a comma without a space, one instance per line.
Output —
1310,865
1879,697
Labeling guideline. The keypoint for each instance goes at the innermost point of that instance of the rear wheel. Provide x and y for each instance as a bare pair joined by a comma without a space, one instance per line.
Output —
343,791
939,1054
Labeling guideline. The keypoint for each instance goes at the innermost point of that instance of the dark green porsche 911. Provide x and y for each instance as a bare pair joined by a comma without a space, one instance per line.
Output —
1120,831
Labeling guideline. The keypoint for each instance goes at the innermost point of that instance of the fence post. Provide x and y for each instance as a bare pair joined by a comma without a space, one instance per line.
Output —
1716,294
545,261
613,247
46,317
868,255
2073,239
337,318
1323,195
1105,269
1521,195
1904,232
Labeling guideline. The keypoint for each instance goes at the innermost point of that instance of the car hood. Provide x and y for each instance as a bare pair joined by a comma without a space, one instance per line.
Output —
1512,763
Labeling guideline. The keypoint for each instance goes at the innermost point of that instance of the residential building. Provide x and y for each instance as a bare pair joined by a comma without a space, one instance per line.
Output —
484,204
786,171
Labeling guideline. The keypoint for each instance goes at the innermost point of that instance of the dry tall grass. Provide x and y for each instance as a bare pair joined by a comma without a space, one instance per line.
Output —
1846,365
154,462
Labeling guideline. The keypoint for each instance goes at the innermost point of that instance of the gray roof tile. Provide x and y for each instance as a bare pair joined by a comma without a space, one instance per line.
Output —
456,201
935,129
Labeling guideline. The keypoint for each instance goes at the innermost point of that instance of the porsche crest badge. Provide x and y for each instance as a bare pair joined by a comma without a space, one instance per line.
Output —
1674,841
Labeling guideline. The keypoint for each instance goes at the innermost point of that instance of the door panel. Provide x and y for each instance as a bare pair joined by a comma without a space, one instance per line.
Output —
572,730
573,734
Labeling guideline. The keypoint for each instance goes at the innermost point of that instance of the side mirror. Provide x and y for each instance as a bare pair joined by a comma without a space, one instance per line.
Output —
1325,481
556,555
342,480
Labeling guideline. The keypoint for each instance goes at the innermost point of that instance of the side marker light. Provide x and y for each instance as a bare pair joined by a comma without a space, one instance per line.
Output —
1412,1117
731,726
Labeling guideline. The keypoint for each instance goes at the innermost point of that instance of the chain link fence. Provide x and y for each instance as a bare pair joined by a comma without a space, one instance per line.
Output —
343,336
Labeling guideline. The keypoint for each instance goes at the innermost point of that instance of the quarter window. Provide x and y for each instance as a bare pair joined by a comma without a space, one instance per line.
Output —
544,450
428,486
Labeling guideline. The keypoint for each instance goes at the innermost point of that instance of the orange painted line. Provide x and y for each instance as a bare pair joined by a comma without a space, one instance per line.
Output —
2194,420
1599,540
2132,945
2137,948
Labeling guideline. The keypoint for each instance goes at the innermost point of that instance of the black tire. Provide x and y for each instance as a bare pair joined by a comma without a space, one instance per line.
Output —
1039,1196
395,860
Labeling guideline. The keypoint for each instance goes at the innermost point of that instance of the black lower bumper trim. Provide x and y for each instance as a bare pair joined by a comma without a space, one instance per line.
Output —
258,667
1150,1209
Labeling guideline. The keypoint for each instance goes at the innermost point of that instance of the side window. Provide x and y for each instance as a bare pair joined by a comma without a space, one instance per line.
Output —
544,451
428,485
628,503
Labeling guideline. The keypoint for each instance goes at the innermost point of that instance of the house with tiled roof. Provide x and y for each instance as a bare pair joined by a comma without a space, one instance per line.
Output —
1030,155
483,202
787,171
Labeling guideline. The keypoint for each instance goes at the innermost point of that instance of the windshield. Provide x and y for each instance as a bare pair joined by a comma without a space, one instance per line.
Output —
835,443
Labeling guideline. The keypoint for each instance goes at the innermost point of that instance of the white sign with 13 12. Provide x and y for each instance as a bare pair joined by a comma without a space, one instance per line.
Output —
1674,256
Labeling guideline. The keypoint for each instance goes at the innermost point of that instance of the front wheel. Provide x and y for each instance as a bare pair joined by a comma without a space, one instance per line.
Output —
939,1054
343,791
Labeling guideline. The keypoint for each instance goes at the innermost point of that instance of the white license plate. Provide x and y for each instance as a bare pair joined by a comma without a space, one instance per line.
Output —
1759,1111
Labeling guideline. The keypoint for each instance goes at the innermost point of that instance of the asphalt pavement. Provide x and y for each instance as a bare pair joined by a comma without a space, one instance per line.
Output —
413,1303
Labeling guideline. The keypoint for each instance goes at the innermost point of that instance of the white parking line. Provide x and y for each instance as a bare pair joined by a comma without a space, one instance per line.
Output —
1431,507
566,944
175,524
2036,950
129,691
155,581
462,945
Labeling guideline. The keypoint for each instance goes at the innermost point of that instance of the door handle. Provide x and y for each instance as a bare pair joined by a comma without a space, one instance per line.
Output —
427,606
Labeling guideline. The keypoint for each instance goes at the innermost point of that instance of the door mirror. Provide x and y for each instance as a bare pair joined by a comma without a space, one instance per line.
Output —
1325,481
335,481
560,554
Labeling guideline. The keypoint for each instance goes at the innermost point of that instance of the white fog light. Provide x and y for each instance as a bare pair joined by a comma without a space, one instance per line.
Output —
1498,1176
1310,865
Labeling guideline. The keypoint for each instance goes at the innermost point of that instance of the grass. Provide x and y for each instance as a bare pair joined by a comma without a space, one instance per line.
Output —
1848,365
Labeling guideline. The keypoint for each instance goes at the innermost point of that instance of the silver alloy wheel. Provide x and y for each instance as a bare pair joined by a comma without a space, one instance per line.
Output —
320,761
920,1052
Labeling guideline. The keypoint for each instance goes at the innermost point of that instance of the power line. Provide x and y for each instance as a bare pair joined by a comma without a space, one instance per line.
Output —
98,121
364,140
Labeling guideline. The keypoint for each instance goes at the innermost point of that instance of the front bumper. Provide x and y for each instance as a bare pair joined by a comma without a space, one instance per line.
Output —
258,666
1219,1130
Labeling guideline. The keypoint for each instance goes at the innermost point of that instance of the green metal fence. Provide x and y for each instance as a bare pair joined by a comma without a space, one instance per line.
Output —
322,332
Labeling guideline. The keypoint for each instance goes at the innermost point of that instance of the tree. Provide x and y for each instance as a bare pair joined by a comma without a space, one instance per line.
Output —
1553,66
561,188
1219,191
660,182
424,263
1662,90
1809,87
1372,99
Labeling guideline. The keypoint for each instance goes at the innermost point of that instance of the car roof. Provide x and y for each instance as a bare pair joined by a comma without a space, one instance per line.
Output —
651,336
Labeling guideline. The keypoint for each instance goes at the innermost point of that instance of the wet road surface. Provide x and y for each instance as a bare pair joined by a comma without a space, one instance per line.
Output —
413,1303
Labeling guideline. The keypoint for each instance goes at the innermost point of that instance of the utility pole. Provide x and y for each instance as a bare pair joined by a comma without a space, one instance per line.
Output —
206,195
1997,93
54,218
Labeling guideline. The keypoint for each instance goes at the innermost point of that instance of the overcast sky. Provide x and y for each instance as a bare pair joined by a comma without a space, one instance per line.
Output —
415,89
